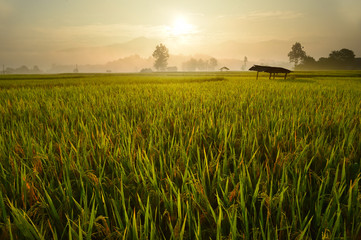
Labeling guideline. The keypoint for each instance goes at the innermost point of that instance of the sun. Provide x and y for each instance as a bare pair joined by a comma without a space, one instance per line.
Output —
181,27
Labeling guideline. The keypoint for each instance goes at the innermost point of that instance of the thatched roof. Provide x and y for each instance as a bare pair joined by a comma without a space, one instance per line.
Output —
269,69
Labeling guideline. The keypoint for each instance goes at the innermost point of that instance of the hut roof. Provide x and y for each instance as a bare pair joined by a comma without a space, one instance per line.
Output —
269,69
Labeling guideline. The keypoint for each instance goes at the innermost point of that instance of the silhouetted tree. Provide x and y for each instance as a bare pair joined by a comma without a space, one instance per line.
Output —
342,56
161,55
297,53
343,59
307,62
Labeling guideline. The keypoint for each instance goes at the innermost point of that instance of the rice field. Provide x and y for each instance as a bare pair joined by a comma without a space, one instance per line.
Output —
180,156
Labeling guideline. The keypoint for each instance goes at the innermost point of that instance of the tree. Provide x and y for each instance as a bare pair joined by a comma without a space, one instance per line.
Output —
146,70
342,56
340,59
22,70
76,70
297,54
201,65
307,63
212,63
190,65
244,66
161,55
36,69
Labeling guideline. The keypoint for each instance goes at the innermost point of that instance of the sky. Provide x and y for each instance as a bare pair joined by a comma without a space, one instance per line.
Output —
43,32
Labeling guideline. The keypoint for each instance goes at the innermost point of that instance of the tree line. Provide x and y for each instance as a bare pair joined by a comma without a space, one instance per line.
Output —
161,55
22,70
200,64
343,59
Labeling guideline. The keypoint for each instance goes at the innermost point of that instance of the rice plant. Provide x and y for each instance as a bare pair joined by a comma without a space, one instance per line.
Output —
180,156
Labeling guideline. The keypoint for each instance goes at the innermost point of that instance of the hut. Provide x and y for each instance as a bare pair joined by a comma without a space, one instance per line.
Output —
271,70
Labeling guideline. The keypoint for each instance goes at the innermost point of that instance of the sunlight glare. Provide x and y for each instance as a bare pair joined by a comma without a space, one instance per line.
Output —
181,27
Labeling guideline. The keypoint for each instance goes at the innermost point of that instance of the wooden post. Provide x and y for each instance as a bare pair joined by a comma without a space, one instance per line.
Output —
270,75
257,75
285,75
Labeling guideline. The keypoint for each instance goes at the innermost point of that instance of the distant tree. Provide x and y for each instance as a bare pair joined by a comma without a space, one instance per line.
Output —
202,65
76,70
322,60
36,69
212,63
161,55
22,70
297,53
146,70
342,59
342,56
244,66
172,69
308,60
9,70
190,65
307,63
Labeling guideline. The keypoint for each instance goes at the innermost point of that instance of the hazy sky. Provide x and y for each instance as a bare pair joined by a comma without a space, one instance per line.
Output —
37,31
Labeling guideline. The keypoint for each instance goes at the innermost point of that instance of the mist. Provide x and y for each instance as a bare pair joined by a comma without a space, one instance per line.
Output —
87,33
